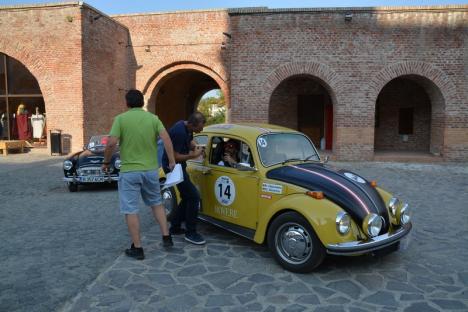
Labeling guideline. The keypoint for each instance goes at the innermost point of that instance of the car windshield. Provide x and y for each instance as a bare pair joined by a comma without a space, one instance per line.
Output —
283,147
98,142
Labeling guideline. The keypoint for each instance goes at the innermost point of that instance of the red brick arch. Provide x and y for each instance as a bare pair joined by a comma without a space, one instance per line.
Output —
330,79
214,71
426,70
34,64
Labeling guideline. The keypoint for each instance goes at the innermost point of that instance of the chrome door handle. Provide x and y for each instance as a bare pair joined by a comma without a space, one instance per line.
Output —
206,172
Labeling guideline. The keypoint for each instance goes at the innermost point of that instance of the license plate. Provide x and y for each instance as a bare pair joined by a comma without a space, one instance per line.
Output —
92,179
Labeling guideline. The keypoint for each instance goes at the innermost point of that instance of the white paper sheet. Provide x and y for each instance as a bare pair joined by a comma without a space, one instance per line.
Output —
174,177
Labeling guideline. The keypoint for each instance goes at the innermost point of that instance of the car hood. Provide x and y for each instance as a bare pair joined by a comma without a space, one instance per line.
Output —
89,158
348,190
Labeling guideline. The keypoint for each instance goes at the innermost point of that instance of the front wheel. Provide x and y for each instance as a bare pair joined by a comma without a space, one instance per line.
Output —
294,243
169,201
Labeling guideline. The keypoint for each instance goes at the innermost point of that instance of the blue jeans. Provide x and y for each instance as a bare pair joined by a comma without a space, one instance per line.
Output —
187,210
134,184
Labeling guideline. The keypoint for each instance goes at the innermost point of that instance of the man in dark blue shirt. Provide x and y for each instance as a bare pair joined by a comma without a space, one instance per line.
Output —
181,135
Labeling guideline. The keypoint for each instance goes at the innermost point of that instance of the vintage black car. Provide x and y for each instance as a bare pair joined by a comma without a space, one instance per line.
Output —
85,167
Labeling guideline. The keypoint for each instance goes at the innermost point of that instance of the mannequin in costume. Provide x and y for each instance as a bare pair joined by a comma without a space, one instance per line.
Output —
24,130
38,122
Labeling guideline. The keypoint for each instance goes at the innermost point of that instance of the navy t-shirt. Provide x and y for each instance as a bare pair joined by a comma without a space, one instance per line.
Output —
181,138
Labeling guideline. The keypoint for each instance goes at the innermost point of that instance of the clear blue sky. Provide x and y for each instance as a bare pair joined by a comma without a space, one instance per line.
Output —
139,6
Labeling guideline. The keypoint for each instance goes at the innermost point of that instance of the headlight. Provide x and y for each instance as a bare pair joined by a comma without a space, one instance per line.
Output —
343,222
393,205
117,163
403,214
67,165
372,224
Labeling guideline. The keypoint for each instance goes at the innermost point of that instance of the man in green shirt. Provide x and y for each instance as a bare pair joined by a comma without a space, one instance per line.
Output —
137,132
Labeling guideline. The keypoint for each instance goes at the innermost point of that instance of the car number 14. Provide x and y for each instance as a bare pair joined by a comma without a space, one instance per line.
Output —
225,190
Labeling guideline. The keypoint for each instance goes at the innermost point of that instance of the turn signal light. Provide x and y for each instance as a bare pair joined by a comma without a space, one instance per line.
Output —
373,183
315,194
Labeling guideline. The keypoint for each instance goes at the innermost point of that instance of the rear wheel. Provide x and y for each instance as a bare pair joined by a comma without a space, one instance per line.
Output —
294,243
169,201
72,187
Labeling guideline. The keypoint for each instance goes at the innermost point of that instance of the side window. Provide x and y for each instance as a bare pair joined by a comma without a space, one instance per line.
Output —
202,141
229,152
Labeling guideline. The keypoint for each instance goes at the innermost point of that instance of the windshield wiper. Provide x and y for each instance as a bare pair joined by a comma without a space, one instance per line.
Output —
291,159
310,158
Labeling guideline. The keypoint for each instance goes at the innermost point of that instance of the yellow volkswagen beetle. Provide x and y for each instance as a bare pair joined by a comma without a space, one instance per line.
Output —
277,190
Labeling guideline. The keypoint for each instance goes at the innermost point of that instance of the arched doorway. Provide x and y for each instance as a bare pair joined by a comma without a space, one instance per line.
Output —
409,116
178,94
303,102
22,108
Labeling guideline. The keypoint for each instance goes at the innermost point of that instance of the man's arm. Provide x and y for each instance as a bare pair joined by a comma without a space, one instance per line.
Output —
191,155
109,151
168,147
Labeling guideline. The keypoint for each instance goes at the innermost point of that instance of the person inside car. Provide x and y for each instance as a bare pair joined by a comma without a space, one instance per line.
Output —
230,154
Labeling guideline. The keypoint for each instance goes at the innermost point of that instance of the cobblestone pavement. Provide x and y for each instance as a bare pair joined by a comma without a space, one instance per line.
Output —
64,251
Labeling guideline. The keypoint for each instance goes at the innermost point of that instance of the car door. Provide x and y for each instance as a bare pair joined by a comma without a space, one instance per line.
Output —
232,194
197,169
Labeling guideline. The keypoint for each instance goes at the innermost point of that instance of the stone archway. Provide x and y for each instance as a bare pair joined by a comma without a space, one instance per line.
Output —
174,92
302,96
440,91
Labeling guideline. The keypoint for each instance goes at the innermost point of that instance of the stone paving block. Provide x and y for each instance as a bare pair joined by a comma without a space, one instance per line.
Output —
419,307
220,301
450,304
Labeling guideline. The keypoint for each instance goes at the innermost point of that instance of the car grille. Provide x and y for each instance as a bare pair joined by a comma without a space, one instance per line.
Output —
90,171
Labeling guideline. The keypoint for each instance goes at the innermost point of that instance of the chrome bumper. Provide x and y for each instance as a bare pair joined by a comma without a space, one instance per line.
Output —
78,180
375,243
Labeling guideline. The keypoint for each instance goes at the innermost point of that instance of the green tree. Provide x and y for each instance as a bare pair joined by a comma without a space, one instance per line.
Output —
213,108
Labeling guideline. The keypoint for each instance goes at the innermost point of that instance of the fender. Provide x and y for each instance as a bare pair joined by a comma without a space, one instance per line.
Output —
321,214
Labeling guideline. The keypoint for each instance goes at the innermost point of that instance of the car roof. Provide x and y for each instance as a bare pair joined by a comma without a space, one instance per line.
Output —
247,130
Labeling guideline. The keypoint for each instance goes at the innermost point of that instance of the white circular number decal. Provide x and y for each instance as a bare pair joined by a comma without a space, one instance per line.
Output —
262,142
225,190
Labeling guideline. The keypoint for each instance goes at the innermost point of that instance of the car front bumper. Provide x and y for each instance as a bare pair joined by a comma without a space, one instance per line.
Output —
375,243
87,179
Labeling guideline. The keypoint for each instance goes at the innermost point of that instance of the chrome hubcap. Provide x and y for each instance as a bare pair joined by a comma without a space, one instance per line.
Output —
293,243
167,201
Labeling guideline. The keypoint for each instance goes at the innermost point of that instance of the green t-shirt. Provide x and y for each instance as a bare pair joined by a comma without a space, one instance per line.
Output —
138,131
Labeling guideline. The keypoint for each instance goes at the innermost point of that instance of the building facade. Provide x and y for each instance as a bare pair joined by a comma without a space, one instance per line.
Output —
357,81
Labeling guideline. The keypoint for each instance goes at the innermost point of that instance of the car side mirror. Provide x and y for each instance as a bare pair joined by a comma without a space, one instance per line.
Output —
245,167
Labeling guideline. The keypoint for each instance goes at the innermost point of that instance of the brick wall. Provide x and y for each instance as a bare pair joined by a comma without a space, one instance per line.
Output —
356,59
169,43
77,55
106,70
47,40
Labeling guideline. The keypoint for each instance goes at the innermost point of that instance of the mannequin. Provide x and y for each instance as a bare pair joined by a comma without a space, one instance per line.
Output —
24,130
38,122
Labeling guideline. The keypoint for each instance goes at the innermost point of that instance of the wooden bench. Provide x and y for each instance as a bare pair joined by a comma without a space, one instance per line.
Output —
16,144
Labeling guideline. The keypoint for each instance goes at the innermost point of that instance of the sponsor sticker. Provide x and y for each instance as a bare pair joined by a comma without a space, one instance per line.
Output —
265,196
272,188
225,190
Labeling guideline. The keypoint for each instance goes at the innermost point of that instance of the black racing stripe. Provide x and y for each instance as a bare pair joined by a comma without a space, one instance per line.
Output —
336,187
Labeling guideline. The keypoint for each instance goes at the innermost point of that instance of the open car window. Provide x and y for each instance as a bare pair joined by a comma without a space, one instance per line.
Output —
240,152
200,141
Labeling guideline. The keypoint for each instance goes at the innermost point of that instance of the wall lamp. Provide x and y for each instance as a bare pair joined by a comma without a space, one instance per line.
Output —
148,48
348,17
